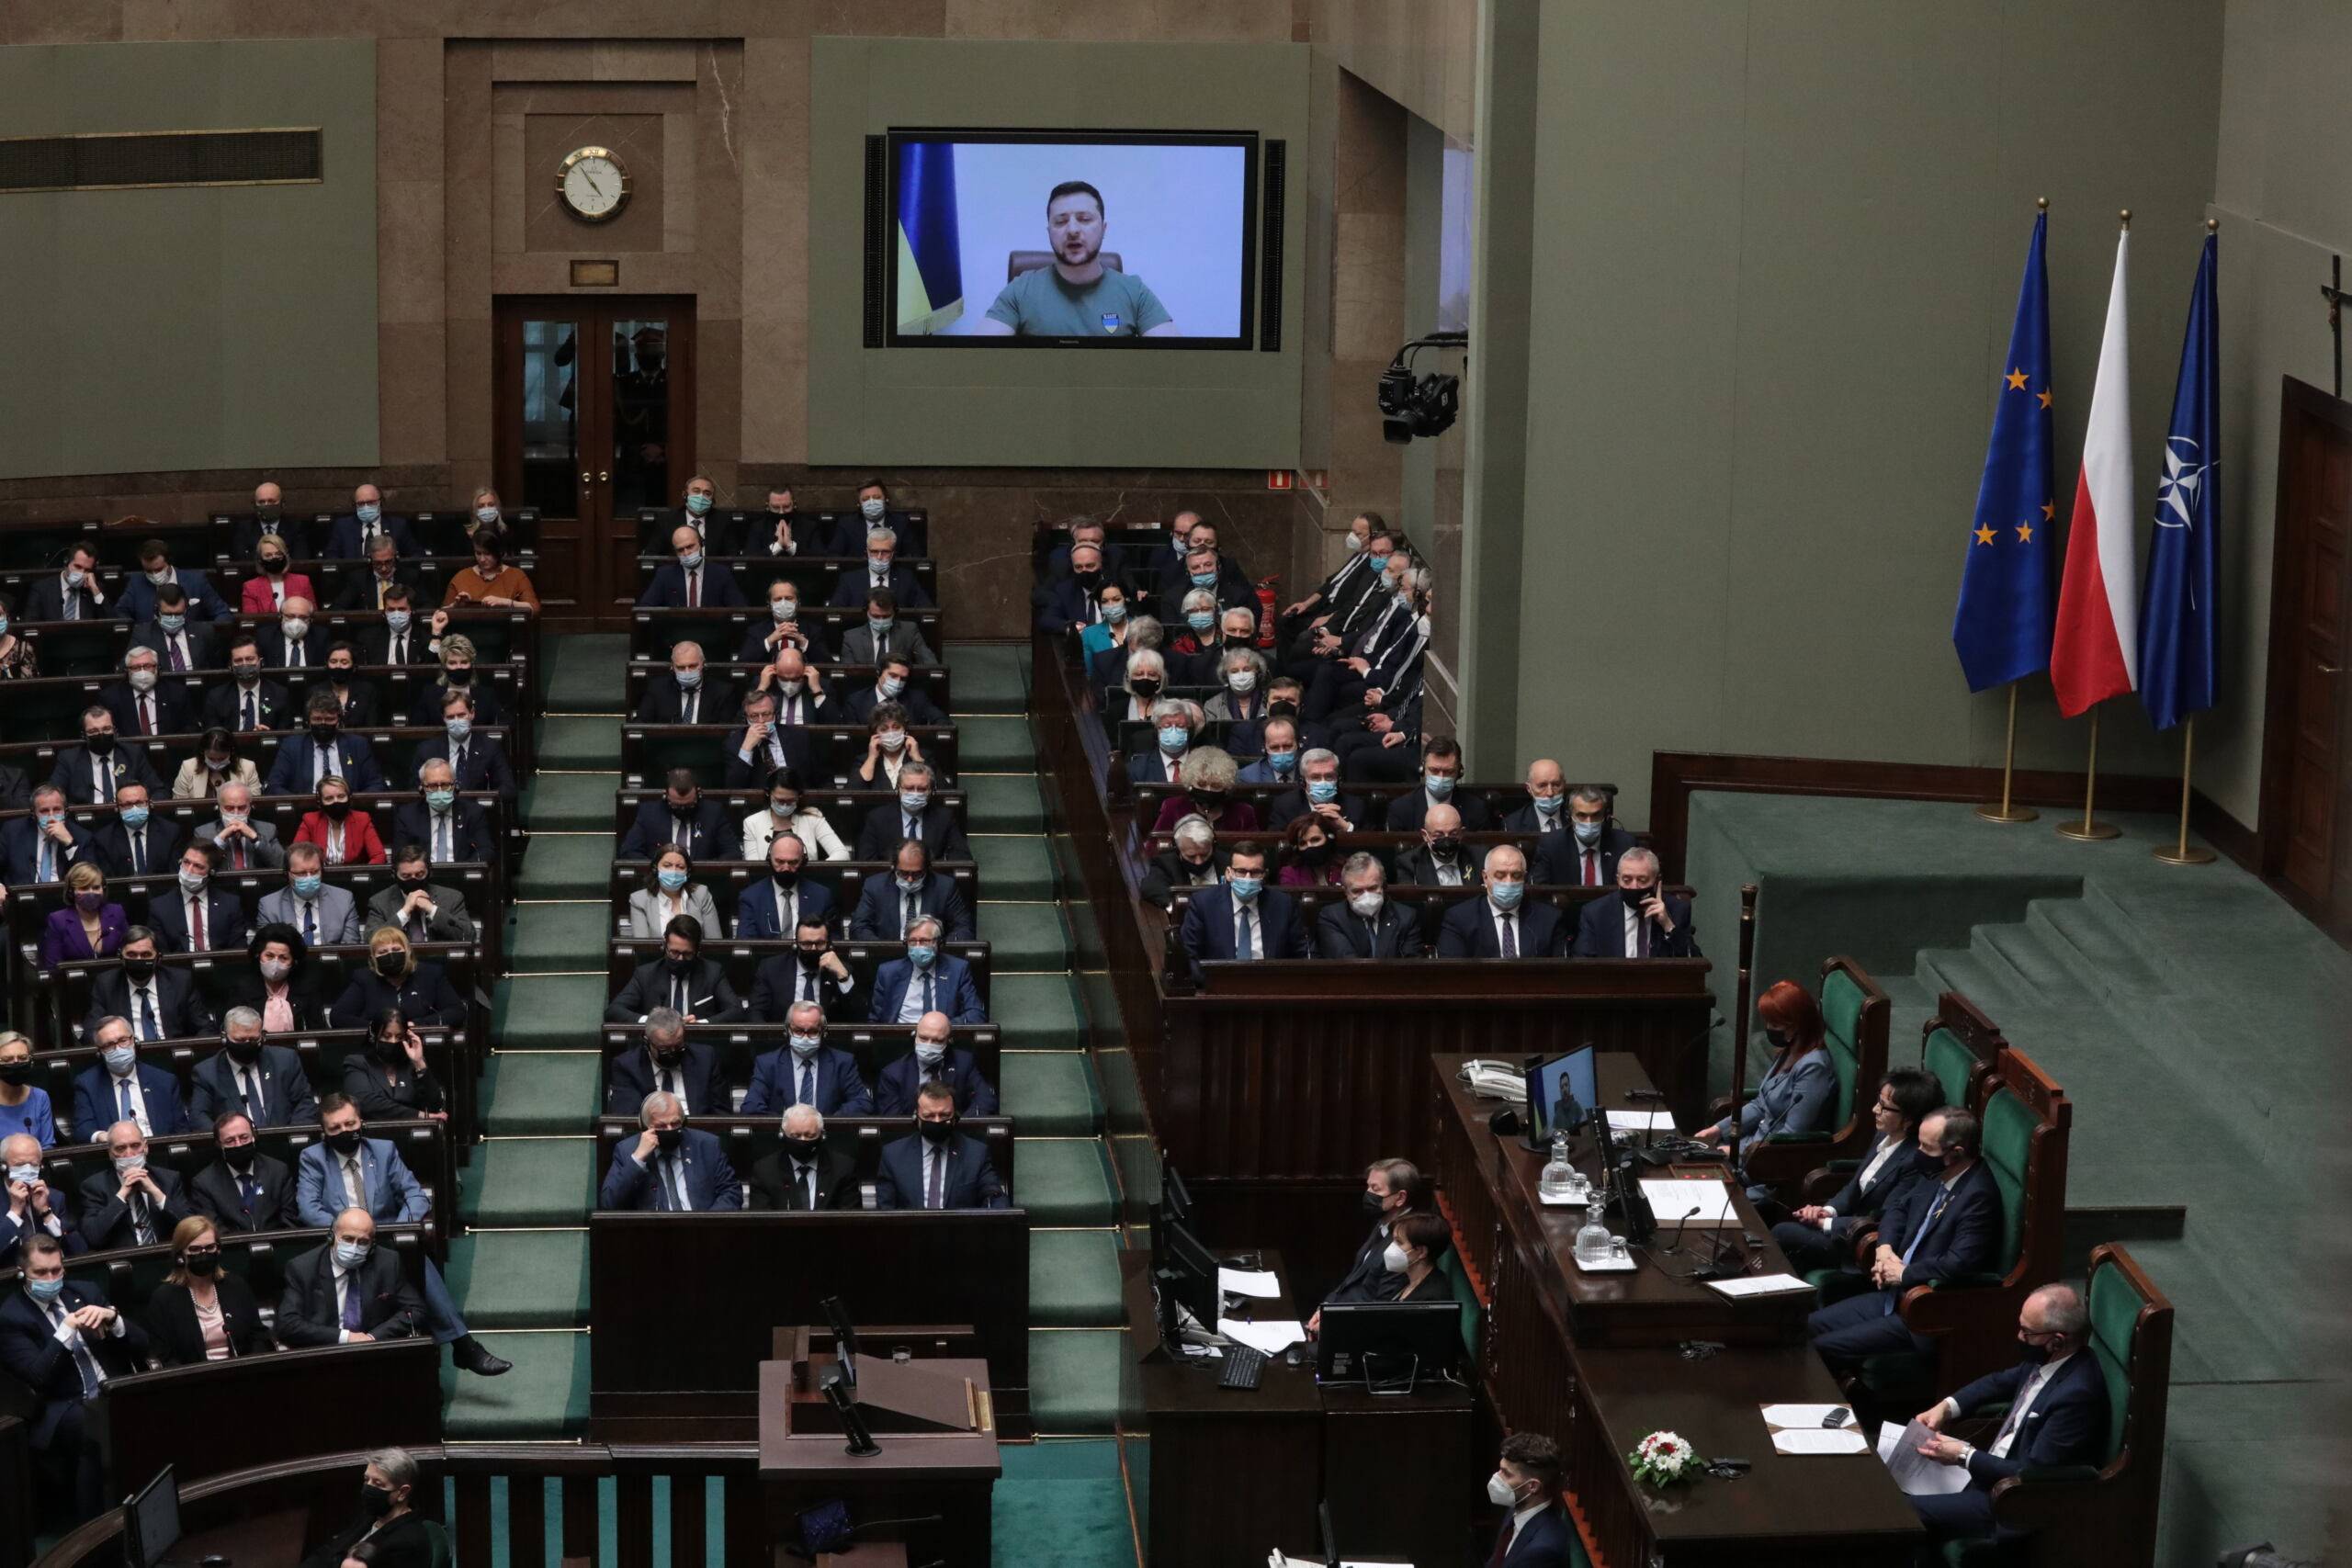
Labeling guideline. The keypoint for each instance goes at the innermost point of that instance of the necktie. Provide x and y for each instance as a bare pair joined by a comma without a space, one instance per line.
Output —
808,985
73,604
178,656
934,1196
147,715
808,1083
458,759
138,851
399,650
1510,936
83,1362
1502,1545
248,1193
2010,1422
322,766
913,905
678,1184
251,1090
195,919
1242,945
311,923
248,723
441,838
1641,936
915,828
1918,1237
929,992
47,870
808,1186
355,1186
149,1029
791,714
669,1081
237,853
380,586
680,830
142,1229
1591,869
123,1093
694,589
350,1303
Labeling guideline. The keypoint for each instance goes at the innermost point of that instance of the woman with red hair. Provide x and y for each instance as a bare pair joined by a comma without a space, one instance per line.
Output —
1799,1093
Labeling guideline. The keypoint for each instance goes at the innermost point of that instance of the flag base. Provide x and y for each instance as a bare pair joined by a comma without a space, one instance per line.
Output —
2008,813
2186,854
2089,830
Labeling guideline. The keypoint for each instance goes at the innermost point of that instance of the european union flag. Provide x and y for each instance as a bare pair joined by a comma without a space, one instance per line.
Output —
2177,601
931,249
2001,629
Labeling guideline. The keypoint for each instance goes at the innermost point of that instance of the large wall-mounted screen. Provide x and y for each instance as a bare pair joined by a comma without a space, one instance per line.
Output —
1072,239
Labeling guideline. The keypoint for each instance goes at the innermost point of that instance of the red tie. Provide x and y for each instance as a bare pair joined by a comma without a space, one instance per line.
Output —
1502,1545
693,589
196,922
147,716
1591,869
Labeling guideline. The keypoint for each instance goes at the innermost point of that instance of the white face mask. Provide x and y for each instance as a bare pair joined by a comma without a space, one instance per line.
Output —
1365,903
1498,1492
1392,1258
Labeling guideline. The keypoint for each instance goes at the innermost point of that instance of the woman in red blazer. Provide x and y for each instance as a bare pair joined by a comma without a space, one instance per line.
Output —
360,845
261,595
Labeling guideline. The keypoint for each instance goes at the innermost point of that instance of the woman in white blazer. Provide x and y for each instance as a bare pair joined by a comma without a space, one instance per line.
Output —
785,809
672,891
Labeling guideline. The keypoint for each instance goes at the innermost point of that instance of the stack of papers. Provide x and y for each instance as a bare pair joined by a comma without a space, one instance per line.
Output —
1258,1283
1913,1471
1641,1121
1799,1429
1671,1200
1759,1285
1269,1338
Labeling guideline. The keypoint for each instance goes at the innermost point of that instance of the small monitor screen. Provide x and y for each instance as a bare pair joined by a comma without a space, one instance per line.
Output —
1562,1091
154,1522
1071,240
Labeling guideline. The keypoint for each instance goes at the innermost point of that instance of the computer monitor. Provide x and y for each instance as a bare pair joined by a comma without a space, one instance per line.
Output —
1564,1088
1389,1346
1173,1195
1185,1274
151,1521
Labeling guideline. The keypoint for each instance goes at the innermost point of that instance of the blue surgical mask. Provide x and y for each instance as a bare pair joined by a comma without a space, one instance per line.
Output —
1115,611
1282,762
1507,895
1440,786
172,623
1322,792
118,1060
351,1254
909,884
914,801
28,1174
872,511
1204,579
1201,620
396,619
370,512
688,678
134,817
671,878
890,685
691,560
45,1290
930,1053
1548,804
485,514
699,504
806,1045
1245,888
3,625
1587,832
459,728
880,628
920,953
1172,737
440,799
308,887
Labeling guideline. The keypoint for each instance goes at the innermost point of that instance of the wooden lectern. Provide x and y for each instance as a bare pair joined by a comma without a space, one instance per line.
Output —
926,1494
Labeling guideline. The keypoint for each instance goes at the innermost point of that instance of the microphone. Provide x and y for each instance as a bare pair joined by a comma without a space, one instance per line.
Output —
1676,1245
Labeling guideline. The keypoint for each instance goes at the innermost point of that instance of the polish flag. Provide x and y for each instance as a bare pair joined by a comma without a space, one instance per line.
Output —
2095,653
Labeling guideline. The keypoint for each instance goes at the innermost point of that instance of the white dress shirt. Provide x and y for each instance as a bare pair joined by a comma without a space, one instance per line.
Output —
1886,1147
114,1103
2014,1422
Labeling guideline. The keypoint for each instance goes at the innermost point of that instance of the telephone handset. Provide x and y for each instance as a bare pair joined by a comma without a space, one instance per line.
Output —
1500,1080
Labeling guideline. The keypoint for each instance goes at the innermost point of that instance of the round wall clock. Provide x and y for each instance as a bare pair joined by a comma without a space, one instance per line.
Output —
593,184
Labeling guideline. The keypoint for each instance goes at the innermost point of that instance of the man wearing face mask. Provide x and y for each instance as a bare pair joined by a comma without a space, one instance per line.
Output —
137,842
1360,528
326,916
884,634
1371,924
683,980
1074,599
1172,727
1085,530
882,571
669,1168
131,1204
1203,565
925,980
915,816
295,640
234,839
690,579
182,640
1587,855
270,520
348,1292
62,1340
247,701
398,639
1441,779
801,697
158,1003
875,510
1440,859
142,703
1545,810
760,744
119,1087
936,1059
452,831
1392,1189
806,1071
372,588
668,1062
346,1170
1319,792
243,1190
1535,1531
32,1208
425,910
1505,923
139,601
1643,921
811,972
324,752
890,906
1194,861
774,908
804,1174
478,761
70,593
782,628
265,1082
939,1168
784,530
352,535
1277,761
681,816
90,773
1242,917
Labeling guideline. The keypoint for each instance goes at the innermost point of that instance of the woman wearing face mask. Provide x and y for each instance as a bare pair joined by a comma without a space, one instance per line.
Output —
1241,688
274,581
1417,1246
1206,775
1111,631
1131,702
789,811
888,748
392,1082
216,762
456,651
202,1312
1799,1094
89,926
670,891
396,978
345,836
17,660
1310,856
280,983
491,583
389,1532
24,1105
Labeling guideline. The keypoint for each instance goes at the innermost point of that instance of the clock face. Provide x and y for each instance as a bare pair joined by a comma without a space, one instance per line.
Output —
593,184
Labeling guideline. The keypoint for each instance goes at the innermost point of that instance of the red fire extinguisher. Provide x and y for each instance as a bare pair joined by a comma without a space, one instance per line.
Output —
1266,586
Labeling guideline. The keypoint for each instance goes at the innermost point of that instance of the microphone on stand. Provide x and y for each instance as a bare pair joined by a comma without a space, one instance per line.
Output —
1675,1246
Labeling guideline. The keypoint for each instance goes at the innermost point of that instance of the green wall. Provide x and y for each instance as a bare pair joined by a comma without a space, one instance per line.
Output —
1173,408
171,330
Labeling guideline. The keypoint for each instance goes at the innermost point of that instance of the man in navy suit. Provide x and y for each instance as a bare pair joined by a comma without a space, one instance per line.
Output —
33,1207
138,842
1202,560
266,1084
1504,924
882,570
142,703
690,579
1319,793
351,534
914,816
139,601
811,972
890,684
670,1167
1171,737
69,594
682,979
1535,1533
38,848
2057,1415
939,1168
119,1086
1370,924
132,1204
1942,1226
887,906
324,751
374,588
449,829
1586,855
666,1064
1213,918
1072,601
807,1072
1643,921
478,761
924,980
774,908
181,641
247,702
936,1059
1821,1236
61,1339
155,1002
681,816
294,640
759,746
221,913
685,693
90,773
1441,778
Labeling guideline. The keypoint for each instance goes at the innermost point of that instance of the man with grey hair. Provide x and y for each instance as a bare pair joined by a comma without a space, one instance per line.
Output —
264,1082
925,980
1194,861
805,1173
2056,1415
1643,921
1171,736
917,816
807,1072
1587,855
243,842
668,1167
32,1208
1319,791
883,570
1371,924
670,1064
388,1528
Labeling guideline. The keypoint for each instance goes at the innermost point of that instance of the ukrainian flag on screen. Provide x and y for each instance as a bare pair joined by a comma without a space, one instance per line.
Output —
930,256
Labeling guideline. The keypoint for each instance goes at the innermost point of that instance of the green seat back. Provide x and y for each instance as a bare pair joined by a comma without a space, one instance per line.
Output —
2115,1317
2009,1125
1841,1012
1952,1063
1450,1265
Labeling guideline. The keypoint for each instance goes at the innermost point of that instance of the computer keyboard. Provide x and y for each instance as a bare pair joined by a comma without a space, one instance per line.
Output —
1244,1368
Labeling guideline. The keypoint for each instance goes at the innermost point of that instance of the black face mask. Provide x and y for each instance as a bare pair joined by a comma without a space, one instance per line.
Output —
936,1132
668,1138
245,1052
240,1158
141,970
1208,800
460,675
787,880
1146,687
803,1148
1316,854
2032,1355
13,1073
681,967
323,733
391,1052
1090,580
1777,1038
374,1501
683,807
272,564
671,1057
337,810
1635,896
1375,1205
203,1265
346,1143
812,957
1445,849
1283,708
391,963
1926,1162
99,745
412,884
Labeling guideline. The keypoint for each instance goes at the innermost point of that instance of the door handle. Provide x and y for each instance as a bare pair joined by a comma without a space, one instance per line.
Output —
603,478
2331,670
584,479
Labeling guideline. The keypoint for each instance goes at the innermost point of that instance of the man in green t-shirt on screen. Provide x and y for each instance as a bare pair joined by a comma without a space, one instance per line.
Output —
1078,296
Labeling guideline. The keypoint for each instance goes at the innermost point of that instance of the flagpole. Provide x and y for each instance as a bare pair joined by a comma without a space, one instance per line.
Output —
2184,852
2090,828
2008,812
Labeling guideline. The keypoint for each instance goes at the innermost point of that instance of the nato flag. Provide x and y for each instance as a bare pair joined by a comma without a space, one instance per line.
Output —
2002,628
2178,602
931,245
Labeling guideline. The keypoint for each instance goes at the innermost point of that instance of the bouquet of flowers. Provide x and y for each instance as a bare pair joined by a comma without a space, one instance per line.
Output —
1664,1458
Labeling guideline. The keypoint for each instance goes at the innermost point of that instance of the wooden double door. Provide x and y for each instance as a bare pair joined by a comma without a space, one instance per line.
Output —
594,401
2307,729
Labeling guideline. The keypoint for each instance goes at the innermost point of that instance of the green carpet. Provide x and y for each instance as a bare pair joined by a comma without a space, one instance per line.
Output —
1063,1182
531,1182
549,1012
584,674
561,937
1074,1379
546,1396
541,1091
991,677
567,865
992,743
1013,865
581,801
1050,1093
521,1278
1061,1503
1074,1278
1023,936
579,740
1002,803
1036,1010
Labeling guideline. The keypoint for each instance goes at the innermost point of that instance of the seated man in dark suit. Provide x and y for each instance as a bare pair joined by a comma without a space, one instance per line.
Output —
267,1082
134,1204
154,1002
32,1208
889,904
182,638
811,972
916,815
782,628
372,589
142,703
670,1167
925,979
1392,1189
1505,923
119,1087
475,762
269,519
61,1338
806,1071
1943,1226
324,751
1440,859
1821,1236
882,570
1545,809
1536,1532
1440,772
348,1292
682,817
936,1059
402,638
247,701
759,746
939,1168
142,591
682,979
1073,598
1319,793
666,1064
1241,916
1643,921
892,685
358,532
1587,855
137,842
690,580
38,848
775,907
72,592
452,831
803,1174
295,640
1172,724
90,773
2057,1415
1196,862
684,694
1371,924
244,1190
